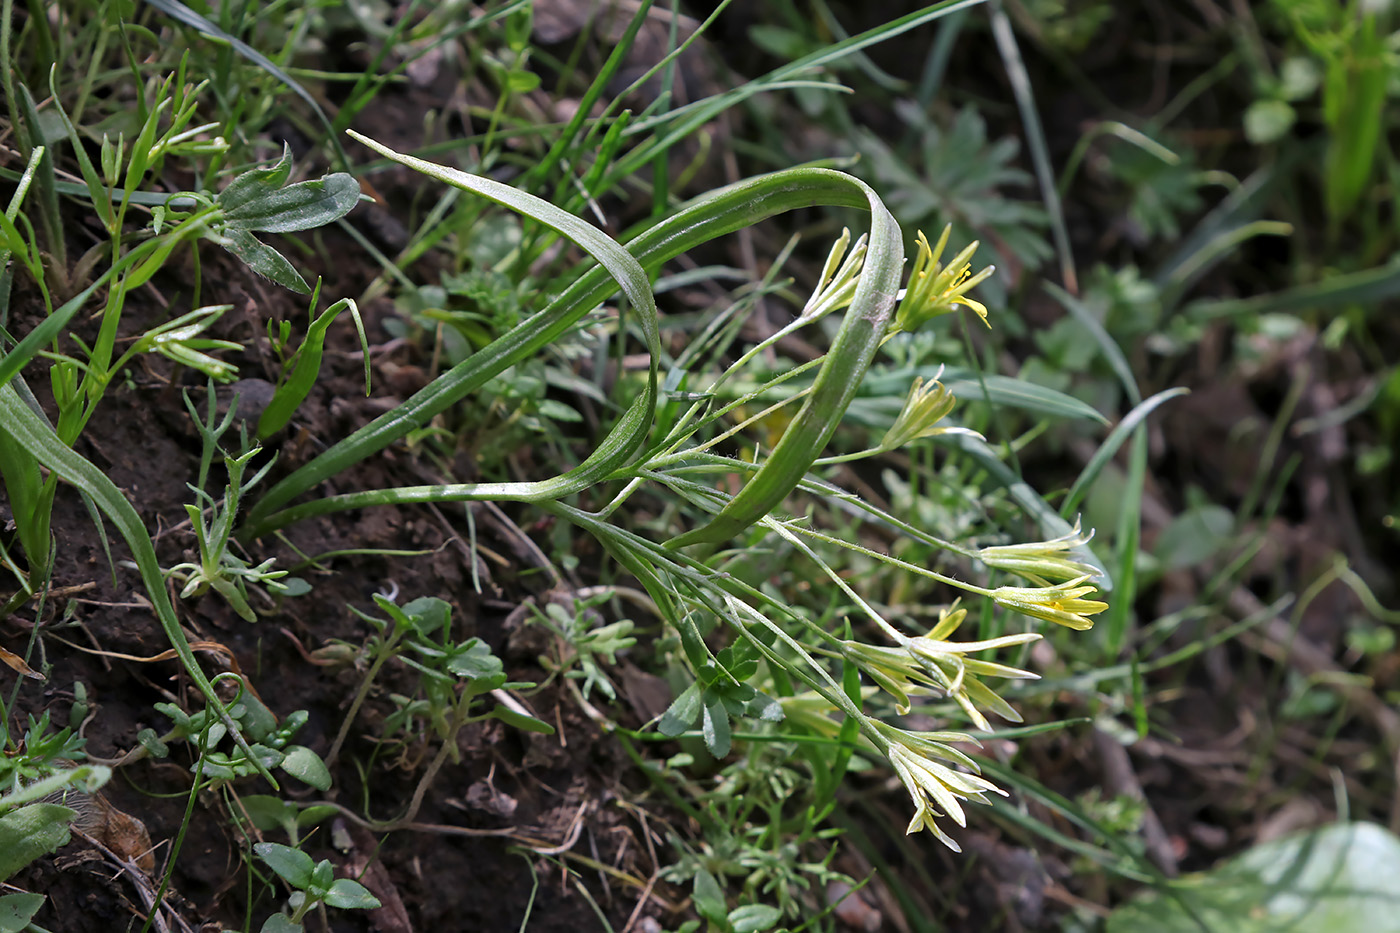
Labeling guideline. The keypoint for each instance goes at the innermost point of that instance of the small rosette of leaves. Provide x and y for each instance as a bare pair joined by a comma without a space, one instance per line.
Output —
261,201
315,883
719,692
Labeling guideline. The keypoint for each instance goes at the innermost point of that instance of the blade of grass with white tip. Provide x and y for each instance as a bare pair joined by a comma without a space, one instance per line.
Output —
715,214
1111,444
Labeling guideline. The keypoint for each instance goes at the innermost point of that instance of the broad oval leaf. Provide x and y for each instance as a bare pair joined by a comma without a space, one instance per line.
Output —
305,765
754,918
350,895
1340,877
682,713
16,910
302,206
293,865
30,833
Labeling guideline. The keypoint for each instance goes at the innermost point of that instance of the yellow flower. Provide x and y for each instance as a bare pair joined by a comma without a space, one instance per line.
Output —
1042,561
924,407
935,290
930,661
837,286
1060,603
935,788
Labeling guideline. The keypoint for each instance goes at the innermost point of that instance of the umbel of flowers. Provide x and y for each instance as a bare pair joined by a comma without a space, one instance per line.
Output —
938,776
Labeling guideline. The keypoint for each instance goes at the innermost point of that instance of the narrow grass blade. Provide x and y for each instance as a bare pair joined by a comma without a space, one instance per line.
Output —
1035,139
685,121
1368,287
1111,351
1051,524
862,329
45,187
883,393
1126,541
566,137
1111,444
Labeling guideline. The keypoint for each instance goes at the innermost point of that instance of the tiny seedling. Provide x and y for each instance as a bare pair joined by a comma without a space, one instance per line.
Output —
584,645
314,883
219,568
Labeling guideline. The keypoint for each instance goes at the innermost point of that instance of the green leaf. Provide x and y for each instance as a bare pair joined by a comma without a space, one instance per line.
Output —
882,395
257,720
306,766
428,615
1010,392
1368,287
754,918
475,662
862,329
350,895
1110,446
281,923
293,865
696,652
292,392
315,814
1268,121
30,833
322,877
268,813
1193,536
263,259
1109,347
288,586
1340,877
303,206
708,897
16,910
682,713
714,724
251,185
765,708
521,721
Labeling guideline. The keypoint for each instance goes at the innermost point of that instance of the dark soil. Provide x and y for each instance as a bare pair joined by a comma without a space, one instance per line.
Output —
522,823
